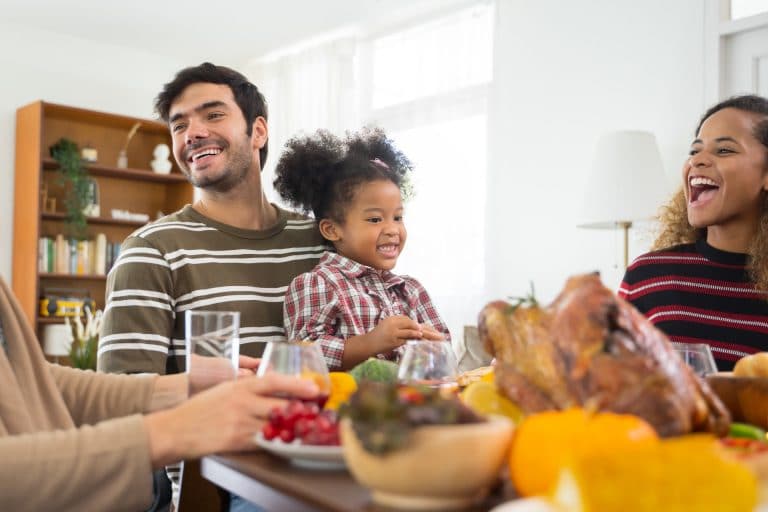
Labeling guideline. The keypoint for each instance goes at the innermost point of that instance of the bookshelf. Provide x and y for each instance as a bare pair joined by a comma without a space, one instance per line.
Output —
135,188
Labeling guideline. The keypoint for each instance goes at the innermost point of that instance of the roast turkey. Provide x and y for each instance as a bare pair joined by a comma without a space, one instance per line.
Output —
591,348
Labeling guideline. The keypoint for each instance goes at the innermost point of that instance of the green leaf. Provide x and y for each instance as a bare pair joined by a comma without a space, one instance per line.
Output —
74,176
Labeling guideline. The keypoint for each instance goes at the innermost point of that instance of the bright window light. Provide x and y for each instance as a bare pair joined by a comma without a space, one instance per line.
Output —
446,217
433,58
745,8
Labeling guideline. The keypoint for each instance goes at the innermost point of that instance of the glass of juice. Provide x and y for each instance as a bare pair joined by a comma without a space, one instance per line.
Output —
300,359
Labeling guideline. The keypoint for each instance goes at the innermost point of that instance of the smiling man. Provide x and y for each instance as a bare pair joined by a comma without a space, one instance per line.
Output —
231,250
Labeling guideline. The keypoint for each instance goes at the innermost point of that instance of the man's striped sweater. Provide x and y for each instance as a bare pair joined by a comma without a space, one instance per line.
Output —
696,293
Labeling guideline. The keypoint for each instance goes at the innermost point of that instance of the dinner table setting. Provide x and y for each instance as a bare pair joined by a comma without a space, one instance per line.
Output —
585,406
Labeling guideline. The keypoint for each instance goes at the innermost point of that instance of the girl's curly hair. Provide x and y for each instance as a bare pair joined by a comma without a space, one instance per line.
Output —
320,173
675,228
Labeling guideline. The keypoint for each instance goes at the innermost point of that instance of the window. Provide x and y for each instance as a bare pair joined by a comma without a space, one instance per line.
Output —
428,87
745,8
437,57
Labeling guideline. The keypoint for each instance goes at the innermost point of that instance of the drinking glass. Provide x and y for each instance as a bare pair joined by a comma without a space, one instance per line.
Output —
300,359
212,347
698,356
429,363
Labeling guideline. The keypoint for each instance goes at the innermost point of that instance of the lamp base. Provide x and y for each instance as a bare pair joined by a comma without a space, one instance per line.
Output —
625,225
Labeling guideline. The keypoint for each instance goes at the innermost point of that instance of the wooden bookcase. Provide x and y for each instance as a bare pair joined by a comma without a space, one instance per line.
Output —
136,189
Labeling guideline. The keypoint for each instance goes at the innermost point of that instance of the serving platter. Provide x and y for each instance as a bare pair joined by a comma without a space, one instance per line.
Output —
304,455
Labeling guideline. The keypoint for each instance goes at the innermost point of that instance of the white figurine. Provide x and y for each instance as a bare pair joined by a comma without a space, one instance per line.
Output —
161,164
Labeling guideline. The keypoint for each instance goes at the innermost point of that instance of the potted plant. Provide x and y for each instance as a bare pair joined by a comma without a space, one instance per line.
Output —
85,339
80,187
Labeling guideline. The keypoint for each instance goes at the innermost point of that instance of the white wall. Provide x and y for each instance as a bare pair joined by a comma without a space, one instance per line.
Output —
564,73
41,65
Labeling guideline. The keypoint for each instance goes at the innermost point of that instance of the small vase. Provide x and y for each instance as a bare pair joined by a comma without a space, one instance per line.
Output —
92,208
122,160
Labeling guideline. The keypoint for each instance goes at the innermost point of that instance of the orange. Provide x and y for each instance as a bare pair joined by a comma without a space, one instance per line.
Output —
674,475
342,387
545,443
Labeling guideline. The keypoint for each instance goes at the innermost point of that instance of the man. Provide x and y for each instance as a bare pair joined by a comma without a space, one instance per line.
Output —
230,250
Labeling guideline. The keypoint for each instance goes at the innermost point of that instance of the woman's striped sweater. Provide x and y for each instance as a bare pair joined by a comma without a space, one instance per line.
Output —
696,293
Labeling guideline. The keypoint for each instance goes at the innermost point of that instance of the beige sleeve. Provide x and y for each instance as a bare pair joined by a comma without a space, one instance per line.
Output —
102,467
93,397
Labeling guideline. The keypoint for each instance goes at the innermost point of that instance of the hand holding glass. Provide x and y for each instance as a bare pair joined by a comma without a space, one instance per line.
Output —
212,348
300,359
698,356
428,363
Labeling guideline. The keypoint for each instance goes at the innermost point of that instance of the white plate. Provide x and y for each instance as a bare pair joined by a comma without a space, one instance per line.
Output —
305,455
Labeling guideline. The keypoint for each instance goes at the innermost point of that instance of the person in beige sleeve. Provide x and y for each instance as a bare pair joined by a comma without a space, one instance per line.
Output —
79,440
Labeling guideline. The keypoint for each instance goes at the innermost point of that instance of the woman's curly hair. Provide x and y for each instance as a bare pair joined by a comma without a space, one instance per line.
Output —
675,228
320,173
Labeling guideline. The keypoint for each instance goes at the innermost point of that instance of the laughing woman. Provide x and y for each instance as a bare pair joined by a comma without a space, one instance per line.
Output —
707,279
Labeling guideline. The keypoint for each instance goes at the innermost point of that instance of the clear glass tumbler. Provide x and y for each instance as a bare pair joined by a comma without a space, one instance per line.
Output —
698,356
212,347
428,363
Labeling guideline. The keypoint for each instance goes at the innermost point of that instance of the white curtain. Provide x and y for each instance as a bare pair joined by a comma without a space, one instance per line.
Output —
307,89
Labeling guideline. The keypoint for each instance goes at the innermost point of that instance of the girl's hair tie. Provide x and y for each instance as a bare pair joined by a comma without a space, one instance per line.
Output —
379,163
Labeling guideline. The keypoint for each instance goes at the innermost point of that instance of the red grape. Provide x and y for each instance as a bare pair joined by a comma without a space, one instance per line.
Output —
303,421
276,417
269,431
286,435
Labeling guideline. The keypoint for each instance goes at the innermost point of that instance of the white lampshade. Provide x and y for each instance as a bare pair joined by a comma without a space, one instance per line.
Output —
57,338
627,181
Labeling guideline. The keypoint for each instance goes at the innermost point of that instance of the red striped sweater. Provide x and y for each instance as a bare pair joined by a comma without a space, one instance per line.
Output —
696,293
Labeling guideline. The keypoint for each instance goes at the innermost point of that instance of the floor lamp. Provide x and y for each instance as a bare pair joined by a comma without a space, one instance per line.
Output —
627,183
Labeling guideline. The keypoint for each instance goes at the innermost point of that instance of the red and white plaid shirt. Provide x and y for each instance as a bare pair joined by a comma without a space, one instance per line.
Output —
341,298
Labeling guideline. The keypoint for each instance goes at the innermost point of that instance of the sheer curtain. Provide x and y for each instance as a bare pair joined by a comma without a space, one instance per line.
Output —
427,86
306,89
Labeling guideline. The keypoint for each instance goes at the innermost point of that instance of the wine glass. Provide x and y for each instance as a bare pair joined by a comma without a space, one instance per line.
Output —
300,359
429,363
698,356
212,345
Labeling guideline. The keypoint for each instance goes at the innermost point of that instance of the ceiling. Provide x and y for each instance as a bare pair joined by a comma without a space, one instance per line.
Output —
228,31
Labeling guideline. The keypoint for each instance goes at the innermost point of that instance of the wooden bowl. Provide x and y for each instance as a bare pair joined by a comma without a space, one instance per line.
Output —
442,467
745,397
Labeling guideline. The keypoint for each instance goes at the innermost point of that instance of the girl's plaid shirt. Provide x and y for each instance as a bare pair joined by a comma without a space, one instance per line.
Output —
341,298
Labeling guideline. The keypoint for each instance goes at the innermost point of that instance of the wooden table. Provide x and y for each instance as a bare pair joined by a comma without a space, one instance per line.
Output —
277,485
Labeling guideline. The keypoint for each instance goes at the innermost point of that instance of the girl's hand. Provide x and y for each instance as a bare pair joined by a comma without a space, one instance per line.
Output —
430,333
394,331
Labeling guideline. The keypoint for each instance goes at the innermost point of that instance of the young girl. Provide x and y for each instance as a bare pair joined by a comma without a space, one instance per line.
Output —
351,302
707,281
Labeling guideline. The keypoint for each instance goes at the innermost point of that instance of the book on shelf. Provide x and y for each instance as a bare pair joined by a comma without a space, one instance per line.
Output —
77,257
100,254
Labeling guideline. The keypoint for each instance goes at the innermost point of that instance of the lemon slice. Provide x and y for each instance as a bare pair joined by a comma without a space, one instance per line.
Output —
485,399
